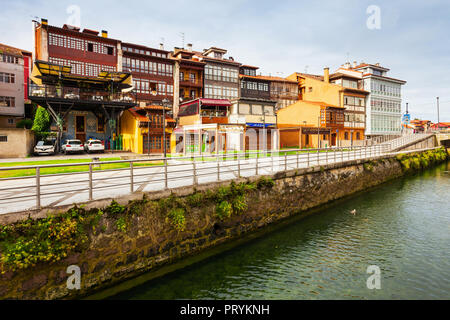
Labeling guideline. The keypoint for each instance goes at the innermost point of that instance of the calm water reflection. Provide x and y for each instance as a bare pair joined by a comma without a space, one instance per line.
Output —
403,227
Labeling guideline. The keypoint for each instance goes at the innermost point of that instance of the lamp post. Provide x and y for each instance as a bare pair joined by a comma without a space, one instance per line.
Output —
265,130
164,103
301,136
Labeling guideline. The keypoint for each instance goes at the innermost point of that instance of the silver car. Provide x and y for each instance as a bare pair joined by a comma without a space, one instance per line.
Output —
44,147
72,145
94,146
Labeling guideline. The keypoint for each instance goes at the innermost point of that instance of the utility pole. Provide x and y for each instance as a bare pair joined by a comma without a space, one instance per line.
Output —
437,100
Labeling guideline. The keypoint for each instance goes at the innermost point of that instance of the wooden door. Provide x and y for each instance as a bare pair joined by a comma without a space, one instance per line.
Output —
80,128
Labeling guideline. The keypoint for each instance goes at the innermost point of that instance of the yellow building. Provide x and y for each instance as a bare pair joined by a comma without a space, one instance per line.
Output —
140,135
343,89
310,124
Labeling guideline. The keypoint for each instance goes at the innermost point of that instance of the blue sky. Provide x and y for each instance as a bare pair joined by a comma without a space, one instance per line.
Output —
280,37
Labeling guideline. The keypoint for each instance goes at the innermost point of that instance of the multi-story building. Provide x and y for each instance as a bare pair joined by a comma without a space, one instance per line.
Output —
85,51
307,124
341,89
188,77
383,109
221,74
205,127
77,77
256,110
152,71
14,73
353,98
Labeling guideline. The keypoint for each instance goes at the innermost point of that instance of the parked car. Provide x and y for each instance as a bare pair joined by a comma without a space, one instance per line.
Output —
72,145
93,145
44,147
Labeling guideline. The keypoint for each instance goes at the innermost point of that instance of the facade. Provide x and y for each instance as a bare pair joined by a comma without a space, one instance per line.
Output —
188,77
204,127
256,109
76,78
353,98
14,73
341,90
221,79
85,51
152,71
310,124
383,109
142,129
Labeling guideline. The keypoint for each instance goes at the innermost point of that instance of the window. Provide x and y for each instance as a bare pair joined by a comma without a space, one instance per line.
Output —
7,102
257,109
10,120
100,123
110,50
346,135
310,89
244,109
90,47
3,138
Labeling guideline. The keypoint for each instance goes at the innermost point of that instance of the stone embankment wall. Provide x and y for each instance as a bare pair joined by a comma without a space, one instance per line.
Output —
131,237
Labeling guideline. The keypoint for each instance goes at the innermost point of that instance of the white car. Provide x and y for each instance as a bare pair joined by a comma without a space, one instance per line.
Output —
72,145
94,146
44,147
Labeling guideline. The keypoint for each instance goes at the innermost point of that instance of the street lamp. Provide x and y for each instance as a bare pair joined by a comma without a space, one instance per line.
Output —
265,130
164,103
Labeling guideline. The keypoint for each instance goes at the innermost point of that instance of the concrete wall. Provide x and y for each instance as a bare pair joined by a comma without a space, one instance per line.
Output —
20,143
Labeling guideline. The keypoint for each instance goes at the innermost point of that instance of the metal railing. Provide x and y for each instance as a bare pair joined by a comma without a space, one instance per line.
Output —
74,93
405,140
161,173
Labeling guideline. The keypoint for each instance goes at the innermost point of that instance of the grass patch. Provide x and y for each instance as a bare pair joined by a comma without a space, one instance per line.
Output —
56,170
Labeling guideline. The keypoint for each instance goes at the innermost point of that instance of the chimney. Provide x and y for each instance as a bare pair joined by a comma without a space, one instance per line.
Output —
354,64
161,46
326,75
347,65
104,34
189,46
44,22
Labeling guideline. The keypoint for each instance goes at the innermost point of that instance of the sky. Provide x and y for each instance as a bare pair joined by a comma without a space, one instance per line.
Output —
411,38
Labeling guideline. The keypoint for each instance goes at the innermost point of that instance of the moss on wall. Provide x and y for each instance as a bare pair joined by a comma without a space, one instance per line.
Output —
120,241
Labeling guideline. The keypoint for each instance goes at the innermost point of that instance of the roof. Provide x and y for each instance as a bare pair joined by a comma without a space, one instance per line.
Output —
210,102
139,117
270,78
12,50
308,75
155,107
366,75
249,66
318,103
363,65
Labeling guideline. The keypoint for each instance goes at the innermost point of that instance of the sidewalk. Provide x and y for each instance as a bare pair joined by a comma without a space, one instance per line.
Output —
107,154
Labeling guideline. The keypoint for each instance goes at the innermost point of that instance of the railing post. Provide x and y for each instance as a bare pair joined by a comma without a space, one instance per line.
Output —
90,182
271,156
326,156
307,159
285,161
297,159
257,157
131,177
239,164
166,179
195,172
218,168
38,187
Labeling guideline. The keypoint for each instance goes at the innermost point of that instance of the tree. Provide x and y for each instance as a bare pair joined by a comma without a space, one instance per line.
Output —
41,123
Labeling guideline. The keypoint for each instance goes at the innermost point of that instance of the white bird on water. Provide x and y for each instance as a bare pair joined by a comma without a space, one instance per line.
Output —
353,212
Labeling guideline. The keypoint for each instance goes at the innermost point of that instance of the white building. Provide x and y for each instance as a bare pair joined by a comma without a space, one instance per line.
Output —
383,108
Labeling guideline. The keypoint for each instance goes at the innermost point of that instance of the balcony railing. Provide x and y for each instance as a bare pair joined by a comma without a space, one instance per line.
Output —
72,93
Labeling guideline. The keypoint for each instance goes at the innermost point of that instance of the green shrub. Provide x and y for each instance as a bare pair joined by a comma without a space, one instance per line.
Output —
177,218
115,208
239,205
121,224
224,210
24,123
265,183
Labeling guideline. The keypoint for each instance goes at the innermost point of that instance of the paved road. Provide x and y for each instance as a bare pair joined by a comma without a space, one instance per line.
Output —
62,189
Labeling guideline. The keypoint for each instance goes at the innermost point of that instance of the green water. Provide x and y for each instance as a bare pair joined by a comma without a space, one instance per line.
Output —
402,226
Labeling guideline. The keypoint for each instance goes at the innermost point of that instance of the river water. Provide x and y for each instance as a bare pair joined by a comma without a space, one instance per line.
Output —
403,227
